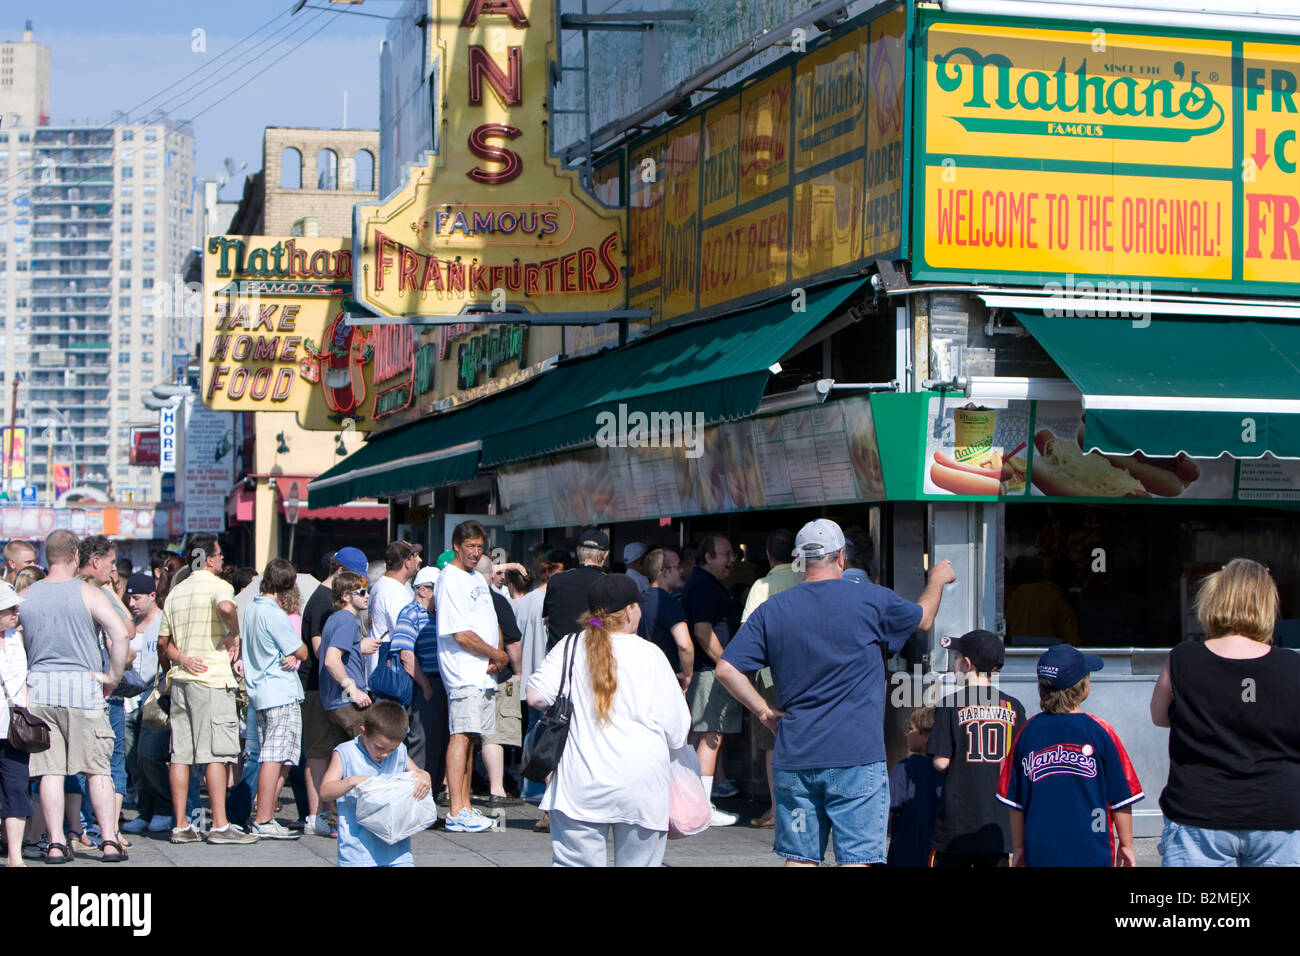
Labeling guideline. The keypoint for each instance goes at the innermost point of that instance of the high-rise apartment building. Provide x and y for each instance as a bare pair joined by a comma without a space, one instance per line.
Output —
24,82
95,224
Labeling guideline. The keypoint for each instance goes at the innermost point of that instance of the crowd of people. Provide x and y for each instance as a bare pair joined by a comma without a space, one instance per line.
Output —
149,681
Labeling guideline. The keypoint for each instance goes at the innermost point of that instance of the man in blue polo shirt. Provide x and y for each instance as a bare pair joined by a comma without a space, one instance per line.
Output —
829,763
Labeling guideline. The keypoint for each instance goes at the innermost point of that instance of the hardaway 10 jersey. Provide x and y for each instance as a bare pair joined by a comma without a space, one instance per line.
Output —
1068,773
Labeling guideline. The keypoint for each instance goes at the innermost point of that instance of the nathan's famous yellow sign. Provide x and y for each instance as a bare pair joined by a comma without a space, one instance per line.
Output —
1091,151
274,335
492,222
796,176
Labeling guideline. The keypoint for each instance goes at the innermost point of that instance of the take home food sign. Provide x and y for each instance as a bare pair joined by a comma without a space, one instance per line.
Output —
492,221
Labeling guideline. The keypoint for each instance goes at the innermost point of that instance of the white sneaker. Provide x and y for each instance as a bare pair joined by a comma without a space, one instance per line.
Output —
161,825
319,825
468,822
274,830
721,818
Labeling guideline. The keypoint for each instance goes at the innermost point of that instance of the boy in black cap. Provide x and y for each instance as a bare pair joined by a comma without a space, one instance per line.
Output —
1069,783
973,732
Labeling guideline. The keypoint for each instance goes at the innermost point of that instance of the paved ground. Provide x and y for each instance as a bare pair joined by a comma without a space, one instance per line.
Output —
514,844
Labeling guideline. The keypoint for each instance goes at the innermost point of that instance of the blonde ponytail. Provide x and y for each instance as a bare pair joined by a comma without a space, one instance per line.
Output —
600,658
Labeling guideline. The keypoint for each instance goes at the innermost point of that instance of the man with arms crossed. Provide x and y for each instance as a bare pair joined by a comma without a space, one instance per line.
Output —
818,637
469,654
66,689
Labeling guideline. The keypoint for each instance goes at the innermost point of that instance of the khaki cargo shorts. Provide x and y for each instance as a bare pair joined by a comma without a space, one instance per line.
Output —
205,724
81,741
509,730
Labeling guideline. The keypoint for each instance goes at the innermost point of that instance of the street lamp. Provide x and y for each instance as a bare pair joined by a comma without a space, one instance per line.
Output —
72,443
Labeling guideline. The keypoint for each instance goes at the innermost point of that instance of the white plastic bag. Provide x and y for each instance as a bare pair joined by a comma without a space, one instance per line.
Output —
689,812
386,806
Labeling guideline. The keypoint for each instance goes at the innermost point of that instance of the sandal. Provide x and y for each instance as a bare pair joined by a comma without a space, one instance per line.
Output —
65,855
118,857
32,850
81,840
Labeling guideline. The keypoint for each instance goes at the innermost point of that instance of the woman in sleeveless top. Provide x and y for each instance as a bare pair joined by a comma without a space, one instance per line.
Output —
1232,706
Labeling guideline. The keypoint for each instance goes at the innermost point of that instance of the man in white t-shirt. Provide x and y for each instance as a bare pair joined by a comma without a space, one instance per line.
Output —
392,592
469,654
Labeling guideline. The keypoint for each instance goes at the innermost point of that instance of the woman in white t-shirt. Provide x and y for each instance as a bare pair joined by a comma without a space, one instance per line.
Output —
15,799
628,713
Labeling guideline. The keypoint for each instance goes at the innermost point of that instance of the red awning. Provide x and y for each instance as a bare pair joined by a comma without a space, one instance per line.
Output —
349,512
239,504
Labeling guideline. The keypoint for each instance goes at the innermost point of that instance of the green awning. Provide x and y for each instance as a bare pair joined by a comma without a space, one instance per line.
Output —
717,368
1200,386
439,450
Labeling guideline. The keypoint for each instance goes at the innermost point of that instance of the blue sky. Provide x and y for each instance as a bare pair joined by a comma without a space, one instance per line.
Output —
108,56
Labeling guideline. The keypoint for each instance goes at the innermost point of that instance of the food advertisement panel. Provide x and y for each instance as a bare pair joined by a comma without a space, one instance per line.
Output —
1023,450
814,456
1160,160
776,183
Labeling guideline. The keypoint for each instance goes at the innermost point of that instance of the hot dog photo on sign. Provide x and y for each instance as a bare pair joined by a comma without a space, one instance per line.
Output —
1062,468
976,449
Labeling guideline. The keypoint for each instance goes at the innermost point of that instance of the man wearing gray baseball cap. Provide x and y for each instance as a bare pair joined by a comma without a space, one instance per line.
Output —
818,637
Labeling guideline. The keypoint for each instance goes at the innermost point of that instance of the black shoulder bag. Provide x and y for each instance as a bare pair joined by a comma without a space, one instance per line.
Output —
545,742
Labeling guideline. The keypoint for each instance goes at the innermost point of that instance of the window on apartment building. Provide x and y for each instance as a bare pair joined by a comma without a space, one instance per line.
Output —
147,376
123,358
146,339
149,209
146,358
125,209
364,164
124,395
327,169
124,340
126,192
150,135
147,245
150,155
124,376
124,247
147,282
124,283
151,172
4,155
22,265
20,303
146,302
148,228
147,265
150,192
124,302
128,135
24,156
128,172
126,155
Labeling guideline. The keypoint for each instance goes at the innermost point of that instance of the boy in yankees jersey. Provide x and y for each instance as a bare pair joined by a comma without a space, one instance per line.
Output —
972,735
1069,783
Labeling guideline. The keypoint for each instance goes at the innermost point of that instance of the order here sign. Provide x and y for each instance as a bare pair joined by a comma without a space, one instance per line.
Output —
1047,151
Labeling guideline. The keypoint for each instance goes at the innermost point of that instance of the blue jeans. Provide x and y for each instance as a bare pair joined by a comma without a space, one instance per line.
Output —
851,802
117,720
1182,845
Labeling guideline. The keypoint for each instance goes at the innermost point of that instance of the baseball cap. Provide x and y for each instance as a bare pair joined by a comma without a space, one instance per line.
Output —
612,592
8,597
984,648
425,575
141,584
1064,666
352,558
445,559
400,551
818,538
594,538
634,552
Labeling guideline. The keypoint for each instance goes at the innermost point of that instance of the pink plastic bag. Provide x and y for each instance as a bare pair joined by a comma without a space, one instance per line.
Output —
689,812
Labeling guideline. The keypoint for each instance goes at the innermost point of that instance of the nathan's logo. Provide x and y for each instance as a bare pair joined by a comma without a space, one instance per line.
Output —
834,97
1078,99
338,365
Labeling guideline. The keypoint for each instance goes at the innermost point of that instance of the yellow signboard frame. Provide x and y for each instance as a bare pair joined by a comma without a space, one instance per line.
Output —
1051,153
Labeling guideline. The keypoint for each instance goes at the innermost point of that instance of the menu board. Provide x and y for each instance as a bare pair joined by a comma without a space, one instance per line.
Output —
1014,450
814,456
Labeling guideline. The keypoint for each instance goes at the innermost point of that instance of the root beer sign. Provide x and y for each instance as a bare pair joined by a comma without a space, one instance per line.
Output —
275,337
491,220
